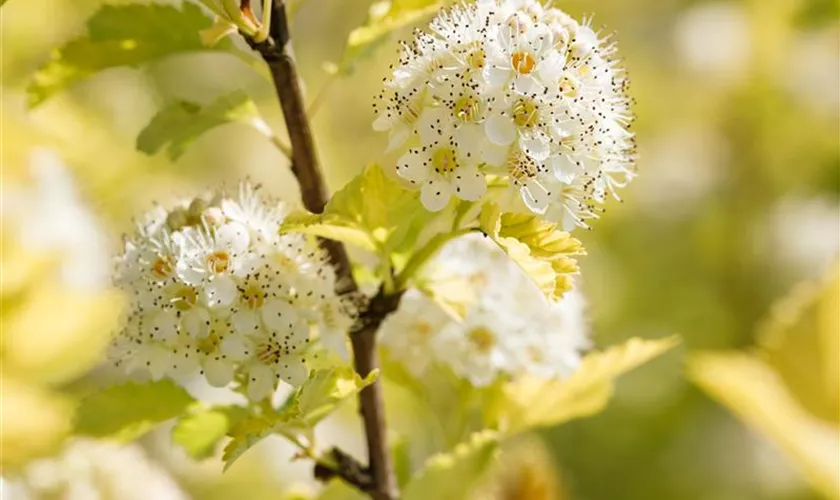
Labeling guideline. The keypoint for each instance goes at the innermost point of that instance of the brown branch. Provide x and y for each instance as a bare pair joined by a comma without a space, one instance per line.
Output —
277,53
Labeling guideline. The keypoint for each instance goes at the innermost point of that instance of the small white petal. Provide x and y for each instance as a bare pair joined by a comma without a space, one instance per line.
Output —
233,237
550,69
496,76
157,359
433,124
165,325
495,155
500,130
384,121
414,166
245,321
190,274
219,372
527,84
196,322
435,194
536,147
563,168
261,380
279,315
470,184
293,371
235,347
398,135
184,365
221,291
470,139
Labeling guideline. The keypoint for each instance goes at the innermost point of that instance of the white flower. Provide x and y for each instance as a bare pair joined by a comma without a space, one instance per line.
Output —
89,470
500,323
512,89
216,291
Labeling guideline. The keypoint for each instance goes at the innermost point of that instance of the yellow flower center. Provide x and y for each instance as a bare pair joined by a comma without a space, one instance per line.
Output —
184,298
421,331
209,344
521,167
523,62
568,87
269,352
482,339
466,109
218,261
444,160
162,268
252,297
476,58
525,113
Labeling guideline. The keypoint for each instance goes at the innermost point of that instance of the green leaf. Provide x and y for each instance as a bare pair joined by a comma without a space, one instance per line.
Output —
372,211
201,430
245,434
454,475
531,402
543,251
125,412
319,396
384,17
180,123
120,35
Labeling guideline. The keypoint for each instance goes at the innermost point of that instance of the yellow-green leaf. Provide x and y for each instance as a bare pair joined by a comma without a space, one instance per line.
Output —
753,390
384,17
531,402
201,430
120,35
543,251
326,389
372,211
801,341
125,412
180,123
454,475
245,434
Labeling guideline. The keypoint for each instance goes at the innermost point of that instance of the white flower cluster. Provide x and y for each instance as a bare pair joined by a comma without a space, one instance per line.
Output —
93,470
487,319
518,91
217,291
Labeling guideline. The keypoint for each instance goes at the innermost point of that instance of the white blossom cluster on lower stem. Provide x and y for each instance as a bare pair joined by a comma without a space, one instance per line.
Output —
92,470
514,90
217,292
483,317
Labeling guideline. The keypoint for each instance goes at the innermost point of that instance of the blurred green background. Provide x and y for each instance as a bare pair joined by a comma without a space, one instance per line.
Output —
737,200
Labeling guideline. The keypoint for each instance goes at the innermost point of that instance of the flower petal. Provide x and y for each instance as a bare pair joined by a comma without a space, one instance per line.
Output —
398,135
563,168
435,194
233,237
293,371
165,325
413,166
219,372
245,321
196,322
279,315
500,130
469,183
235,348
261,380
221,291
537,147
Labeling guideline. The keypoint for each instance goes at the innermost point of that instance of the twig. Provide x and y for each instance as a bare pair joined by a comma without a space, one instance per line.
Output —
277,53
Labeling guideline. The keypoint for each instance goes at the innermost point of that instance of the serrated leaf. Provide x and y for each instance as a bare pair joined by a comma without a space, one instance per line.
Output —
542,250
384,17
319,396
125,412
326,389
754,391
454,475
120,35
182,122
245,434
372,211
201,430
530,402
